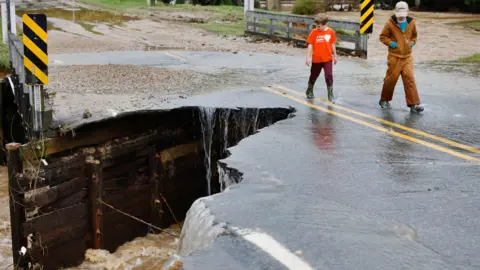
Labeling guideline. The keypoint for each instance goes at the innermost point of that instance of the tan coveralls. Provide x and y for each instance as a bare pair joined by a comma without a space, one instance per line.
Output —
400,60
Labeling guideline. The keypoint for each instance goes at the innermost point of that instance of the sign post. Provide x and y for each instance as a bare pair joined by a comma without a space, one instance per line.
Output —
35,60
366,16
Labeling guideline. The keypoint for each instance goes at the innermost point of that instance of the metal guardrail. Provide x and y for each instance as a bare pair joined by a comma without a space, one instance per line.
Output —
282,26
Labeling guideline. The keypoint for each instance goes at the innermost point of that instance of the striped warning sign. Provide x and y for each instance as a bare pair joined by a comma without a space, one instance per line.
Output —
35,40
366,16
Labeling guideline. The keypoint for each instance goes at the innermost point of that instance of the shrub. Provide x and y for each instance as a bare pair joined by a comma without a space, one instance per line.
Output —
308,7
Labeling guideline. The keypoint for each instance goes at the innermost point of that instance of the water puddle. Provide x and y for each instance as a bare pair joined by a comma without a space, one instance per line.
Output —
85,17
80,14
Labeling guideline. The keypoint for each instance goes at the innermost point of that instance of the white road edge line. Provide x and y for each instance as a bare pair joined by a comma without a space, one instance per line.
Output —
274,249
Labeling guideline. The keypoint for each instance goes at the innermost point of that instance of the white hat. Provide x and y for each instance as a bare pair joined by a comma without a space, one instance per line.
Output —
401,9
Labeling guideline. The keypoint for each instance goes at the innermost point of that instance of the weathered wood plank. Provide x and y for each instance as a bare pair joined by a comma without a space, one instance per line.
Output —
346,38
127,146
16,196
62,218
51,195
68,254
65,202
96,220
122,196
121,169
63,143
178,151
61,235
307,20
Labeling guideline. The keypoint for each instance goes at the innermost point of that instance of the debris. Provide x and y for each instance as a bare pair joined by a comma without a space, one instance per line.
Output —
299,252
87,114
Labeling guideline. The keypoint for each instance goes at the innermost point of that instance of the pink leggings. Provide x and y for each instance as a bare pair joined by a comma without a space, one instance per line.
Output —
316,69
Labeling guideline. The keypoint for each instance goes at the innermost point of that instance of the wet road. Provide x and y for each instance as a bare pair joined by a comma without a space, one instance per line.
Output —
346,186
351,193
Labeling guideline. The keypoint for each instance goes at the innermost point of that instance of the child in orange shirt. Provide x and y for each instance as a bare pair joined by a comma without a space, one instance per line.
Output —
321,53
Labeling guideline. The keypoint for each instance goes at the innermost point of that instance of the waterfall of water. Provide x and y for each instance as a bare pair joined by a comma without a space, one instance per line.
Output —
207,122
255,120
225,117
199,229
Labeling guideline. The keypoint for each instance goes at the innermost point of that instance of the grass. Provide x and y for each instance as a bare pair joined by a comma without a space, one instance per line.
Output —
4,56
341,31
89,27
473,25
475,58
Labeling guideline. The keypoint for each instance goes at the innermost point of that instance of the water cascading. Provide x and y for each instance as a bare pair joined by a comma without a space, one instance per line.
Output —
225,117
207,122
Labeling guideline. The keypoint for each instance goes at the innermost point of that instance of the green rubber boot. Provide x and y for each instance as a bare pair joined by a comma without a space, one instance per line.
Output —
309,92
330,94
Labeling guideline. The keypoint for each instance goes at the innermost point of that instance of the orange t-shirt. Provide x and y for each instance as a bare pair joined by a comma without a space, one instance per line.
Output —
322,44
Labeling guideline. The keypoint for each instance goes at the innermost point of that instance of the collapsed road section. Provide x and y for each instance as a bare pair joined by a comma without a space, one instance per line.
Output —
113,180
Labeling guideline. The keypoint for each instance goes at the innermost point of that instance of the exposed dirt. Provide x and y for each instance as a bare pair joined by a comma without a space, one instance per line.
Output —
161,30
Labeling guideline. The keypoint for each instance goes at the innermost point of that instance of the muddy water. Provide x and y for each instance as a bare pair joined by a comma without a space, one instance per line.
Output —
149,252
142,253
79,14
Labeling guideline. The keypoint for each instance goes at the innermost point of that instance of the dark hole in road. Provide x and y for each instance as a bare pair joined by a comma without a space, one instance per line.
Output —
155,164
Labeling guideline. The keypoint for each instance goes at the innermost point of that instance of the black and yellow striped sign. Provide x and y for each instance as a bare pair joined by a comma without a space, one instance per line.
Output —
35,41
366,16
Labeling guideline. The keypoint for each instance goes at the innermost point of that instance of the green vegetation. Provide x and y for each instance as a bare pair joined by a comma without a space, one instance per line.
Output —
303,7
4,57
83,16
341,31
223,29
473,25
308,7
222,20
89,27
475,58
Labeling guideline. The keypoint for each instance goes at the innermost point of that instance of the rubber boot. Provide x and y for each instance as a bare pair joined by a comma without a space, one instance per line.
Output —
330,94
415,108
309,92
384,104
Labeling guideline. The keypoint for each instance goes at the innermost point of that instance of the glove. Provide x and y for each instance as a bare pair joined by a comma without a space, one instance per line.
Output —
412,44
393,44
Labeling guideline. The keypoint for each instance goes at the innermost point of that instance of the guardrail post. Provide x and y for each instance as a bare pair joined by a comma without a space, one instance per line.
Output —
4,23
17,211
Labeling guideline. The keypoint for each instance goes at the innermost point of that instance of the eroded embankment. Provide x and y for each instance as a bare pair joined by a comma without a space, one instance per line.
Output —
123,178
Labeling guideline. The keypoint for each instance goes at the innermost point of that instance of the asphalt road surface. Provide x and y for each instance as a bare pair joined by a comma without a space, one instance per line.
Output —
346,185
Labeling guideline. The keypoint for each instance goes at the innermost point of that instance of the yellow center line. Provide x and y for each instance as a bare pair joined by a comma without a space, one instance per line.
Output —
35,28
35,50
35,70
379,128
175,56
386,122
364,16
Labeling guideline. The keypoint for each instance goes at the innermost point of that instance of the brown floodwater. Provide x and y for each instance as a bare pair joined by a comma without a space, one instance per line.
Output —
80,14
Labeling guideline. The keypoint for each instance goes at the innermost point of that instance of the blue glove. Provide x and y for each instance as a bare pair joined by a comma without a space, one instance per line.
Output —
393,44
412,44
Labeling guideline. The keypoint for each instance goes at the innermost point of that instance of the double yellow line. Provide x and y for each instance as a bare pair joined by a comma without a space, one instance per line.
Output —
380,128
